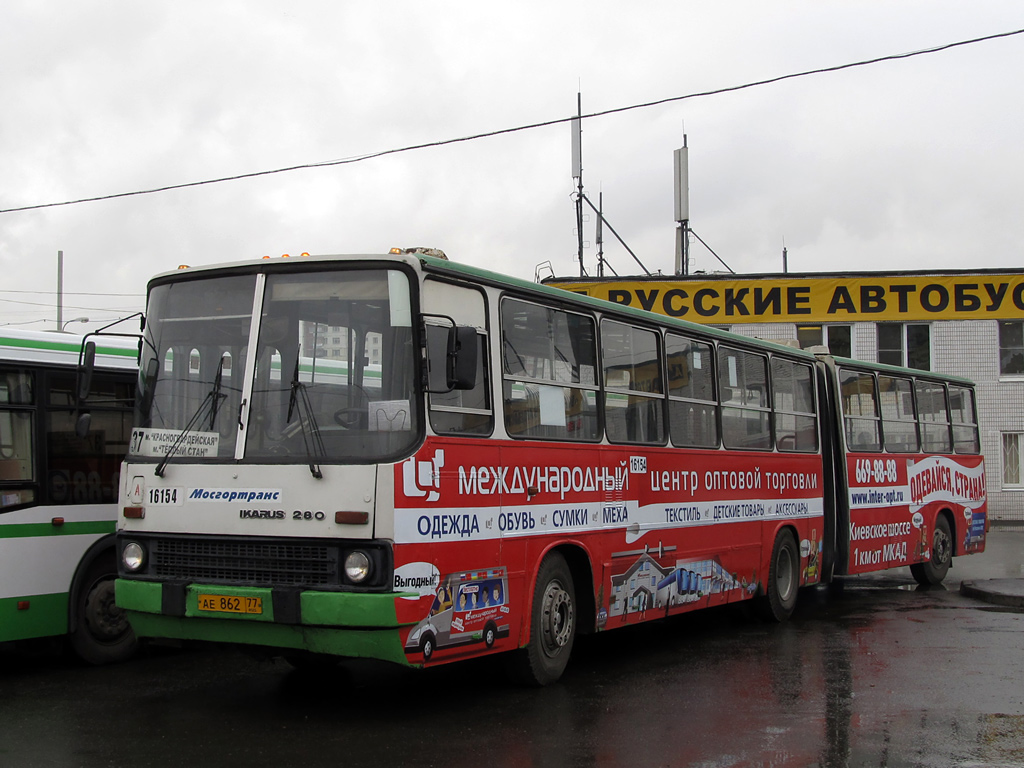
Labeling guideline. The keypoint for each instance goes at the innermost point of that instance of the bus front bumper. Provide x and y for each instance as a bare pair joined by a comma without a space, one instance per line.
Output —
364,625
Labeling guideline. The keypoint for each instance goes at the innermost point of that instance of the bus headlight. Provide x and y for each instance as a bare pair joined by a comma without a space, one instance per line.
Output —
133,556
357,567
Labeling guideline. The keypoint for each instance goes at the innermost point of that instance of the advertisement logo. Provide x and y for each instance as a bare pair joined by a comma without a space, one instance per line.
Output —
423,478
419,578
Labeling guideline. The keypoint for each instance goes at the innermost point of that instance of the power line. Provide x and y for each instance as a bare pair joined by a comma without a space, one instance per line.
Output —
70,293
516,129
66,306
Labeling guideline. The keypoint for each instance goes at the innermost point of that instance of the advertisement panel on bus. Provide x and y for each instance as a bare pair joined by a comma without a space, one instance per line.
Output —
896,506
468,607
666,534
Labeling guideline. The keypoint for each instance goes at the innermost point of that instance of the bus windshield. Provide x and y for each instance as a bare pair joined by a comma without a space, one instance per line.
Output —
332,380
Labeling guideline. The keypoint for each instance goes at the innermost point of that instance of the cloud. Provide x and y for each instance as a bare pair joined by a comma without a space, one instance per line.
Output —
900,165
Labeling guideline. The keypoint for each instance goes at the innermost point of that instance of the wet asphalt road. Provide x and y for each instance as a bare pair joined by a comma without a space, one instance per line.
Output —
879,674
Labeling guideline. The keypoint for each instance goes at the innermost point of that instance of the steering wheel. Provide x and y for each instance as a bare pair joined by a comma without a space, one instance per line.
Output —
351,417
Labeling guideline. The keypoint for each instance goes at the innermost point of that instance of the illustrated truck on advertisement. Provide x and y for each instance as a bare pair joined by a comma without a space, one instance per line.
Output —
468,607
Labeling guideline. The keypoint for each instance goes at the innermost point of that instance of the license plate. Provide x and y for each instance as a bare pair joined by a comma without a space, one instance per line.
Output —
231,604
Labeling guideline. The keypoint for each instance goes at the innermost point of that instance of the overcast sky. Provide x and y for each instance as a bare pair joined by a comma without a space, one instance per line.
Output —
909,164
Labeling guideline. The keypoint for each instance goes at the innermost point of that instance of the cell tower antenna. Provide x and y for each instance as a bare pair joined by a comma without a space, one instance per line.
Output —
681,168
577,174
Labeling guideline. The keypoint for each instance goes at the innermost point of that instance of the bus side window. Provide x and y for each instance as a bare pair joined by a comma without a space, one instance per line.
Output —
796,425
16,438
86,468
634,394
743,387
860,410
461,411
549,389
934,417
693,409
899,424
965,422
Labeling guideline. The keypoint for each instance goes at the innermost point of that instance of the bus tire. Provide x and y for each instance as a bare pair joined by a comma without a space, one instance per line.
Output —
101,633
934,570
783,579
552,626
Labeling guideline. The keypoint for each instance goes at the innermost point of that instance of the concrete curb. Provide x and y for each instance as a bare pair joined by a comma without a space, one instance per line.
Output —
1008,592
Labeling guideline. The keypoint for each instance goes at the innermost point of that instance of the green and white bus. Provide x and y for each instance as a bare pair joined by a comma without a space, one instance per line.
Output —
60,457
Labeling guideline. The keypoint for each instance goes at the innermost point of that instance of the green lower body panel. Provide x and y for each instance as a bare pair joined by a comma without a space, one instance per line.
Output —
337,623
38,616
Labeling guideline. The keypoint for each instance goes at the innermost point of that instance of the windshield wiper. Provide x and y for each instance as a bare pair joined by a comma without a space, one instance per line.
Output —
299,395
213,398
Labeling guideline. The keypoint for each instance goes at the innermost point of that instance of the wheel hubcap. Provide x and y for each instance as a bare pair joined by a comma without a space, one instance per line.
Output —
940,547
556,618
106,621
784,574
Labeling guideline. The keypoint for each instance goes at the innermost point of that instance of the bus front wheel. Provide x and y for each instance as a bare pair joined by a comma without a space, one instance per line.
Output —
783,579
552,626
934,570
101,634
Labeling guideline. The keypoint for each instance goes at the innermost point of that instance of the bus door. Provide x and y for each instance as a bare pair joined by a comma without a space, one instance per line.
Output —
458,467
834,554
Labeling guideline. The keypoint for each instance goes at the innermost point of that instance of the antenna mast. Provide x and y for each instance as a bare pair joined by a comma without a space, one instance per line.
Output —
681,167
577,174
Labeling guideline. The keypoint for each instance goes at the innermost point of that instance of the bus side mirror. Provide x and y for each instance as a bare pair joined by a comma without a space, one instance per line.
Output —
85,370
148,385
83,423
462,357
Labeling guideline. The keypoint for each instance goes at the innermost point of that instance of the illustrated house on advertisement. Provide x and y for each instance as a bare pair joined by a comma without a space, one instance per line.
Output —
635,590
647,584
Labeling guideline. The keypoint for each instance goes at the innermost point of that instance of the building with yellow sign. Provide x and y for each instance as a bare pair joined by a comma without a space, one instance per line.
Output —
968,323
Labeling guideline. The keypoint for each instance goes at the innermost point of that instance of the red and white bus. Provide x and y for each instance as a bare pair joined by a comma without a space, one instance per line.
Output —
330,452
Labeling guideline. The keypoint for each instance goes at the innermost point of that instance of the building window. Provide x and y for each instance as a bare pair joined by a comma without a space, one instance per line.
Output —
1012,472
838,338
907,345
1011,347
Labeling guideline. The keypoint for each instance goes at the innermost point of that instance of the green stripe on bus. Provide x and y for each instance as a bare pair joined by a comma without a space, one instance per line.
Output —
384,644
372,630
58,346
45,615
138,595
30,530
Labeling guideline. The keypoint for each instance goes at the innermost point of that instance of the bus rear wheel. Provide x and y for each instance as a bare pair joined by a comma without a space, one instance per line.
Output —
552,626
934,570
783,580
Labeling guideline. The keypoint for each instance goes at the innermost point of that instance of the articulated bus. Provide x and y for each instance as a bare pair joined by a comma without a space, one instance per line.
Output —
59,482
485,465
